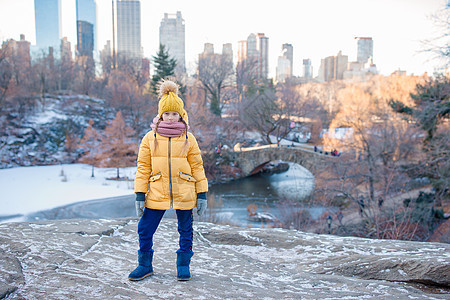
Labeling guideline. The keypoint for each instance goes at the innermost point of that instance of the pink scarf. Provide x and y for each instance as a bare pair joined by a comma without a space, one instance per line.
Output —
168,129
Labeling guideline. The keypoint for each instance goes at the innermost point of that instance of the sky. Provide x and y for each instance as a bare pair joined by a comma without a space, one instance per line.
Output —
316,29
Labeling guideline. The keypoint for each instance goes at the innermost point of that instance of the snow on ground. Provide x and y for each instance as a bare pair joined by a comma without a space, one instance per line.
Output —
26,190
66,259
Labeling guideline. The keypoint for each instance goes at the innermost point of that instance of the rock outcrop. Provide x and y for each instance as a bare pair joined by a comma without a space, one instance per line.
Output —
91,259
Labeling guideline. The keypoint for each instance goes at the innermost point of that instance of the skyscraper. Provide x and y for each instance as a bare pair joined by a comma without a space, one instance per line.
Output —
263,56
86,27
85,39
341,62
242,52
252,48
333,67
283,69
365,49
288,52
285,63
48,23
129,28
23,50
172,36
255,51
66,52
19,51
307,69
208,49
227,51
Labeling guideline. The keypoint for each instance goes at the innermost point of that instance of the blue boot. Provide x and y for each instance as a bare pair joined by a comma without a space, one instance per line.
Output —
183,261
145,266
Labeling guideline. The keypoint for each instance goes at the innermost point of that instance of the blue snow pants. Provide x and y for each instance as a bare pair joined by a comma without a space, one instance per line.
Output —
149,223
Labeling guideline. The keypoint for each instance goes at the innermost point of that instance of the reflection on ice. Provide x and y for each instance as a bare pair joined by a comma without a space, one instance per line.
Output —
294,184
265,192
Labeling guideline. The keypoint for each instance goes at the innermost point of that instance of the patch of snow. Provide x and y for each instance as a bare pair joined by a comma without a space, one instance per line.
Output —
25,190
46,117
337,133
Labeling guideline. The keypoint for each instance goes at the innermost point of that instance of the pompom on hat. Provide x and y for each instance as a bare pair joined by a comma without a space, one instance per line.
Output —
170,101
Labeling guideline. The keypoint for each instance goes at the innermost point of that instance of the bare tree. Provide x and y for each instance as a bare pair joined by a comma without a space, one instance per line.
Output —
132,66
124,95
215,73
325,95
5,75
42,73
85,73
439,45
90,144
263,112
376,150
245,76
65,68
299,108
271,112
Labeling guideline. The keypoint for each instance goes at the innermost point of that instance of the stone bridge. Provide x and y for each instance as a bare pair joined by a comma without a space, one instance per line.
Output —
252,159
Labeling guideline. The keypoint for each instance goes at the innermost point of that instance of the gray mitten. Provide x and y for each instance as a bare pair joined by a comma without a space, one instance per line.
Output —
202,203
140,204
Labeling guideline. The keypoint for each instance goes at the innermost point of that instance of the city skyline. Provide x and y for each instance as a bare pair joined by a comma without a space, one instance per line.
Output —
48,22
315,30
128,17
86,14
172,36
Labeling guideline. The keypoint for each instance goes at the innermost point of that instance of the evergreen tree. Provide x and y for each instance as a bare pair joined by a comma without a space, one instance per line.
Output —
164,65
431,113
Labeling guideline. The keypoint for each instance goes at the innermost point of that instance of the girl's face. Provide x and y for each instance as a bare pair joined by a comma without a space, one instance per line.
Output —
171,116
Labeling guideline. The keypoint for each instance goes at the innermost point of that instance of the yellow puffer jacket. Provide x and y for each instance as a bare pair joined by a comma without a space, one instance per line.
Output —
167,177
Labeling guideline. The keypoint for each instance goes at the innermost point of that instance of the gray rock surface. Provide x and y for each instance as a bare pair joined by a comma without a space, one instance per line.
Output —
91,259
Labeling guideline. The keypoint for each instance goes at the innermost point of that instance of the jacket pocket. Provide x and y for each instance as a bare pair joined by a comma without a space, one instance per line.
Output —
155,177
186,188
187,177
156,190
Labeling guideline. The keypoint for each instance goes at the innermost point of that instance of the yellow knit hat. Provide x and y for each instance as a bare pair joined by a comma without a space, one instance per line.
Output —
169,99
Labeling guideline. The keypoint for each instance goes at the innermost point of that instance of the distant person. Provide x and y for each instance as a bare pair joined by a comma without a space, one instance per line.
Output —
361,205
380,202
169,174
315,148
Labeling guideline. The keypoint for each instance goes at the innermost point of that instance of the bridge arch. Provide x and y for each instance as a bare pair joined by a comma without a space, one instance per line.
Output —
249,159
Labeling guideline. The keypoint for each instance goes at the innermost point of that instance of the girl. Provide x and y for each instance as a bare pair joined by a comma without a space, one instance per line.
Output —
169,174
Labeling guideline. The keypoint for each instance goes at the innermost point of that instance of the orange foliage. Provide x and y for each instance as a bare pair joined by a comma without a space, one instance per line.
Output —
90,143
118,149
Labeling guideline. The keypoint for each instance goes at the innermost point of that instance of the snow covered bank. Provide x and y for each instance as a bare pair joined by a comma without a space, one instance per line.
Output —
25,190
91,259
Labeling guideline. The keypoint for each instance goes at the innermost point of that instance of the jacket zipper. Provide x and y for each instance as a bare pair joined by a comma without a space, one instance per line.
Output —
170,178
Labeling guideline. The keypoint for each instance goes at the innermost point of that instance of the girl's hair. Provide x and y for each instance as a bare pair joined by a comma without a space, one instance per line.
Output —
185,148
155,143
